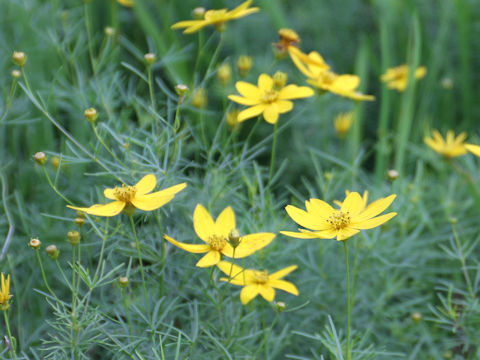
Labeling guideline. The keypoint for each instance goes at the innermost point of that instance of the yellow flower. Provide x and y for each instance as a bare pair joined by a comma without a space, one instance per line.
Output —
266,99
474,149
200,98
450,147
137,196
397,77
5,293
342,123
127,3
327,222
313,66
215,234
217,18
256,282
288,37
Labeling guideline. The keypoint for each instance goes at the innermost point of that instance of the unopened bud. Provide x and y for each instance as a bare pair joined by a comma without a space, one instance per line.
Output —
447,83
109,31
73,237
453,220
181,89
40,158
55,162
34,243
416,317
224,74
199,99
234,238
16,74
280,306
279,80
80,214
123,281
392,174
244,65
19,58
52,251
79,221
91,114
149,58
199,13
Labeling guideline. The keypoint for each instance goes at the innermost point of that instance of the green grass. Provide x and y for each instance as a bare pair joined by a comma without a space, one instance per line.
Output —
425,260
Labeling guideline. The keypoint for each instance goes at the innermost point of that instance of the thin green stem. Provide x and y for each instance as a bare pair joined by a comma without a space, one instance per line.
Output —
127,312
150,86
45,277
12,340
274,149
8,101
54,188
100,140
349,302
89,36
463,262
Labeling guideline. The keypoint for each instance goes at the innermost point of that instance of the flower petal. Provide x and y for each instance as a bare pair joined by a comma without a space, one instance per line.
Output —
270,114
265,83
324,234
192,248
267,292
150,202
474,149
352,204
209,259
248,90
225,222
305,219
285,286
284,106
244,100
295,92
346,233
300,235
146,184
319,208
282,273
230,269
184,24
251,243
374,222
170,191
250,112
109,193
203,223
110,209
374,209
248,293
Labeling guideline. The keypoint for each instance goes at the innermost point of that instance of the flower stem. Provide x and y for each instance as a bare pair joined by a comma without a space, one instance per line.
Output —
13,344
349,302
45,277
274,148
463,261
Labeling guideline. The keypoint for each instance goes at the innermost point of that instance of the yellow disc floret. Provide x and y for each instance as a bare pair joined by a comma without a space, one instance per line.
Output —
125,193
260,276
339,220
217,242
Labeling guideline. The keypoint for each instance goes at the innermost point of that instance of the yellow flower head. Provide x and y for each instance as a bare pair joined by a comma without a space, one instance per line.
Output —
217,18
326,222
215,234
311,65
397,77
288,37
5,293
127,3
343,123
450,147
267,99
474,149
137,196
256,282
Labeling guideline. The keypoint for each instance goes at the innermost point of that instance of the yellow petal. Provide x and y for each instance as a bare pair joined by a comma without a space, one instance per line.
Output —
244,13
110,209
170,191
284,106
251,243
244,100
225,222
230,269
282,273
460,138
325,234
420,72
299,235
248,293
196,27
127,3
374,222
240,8
306,219
150,202
193,248
209,259
352,204
186,23
248,90
146,184
319,208
346,82
265,83
474,149
374,208
267,292
250,112
270,114
285,286
109,194
295,92
346,233
203,223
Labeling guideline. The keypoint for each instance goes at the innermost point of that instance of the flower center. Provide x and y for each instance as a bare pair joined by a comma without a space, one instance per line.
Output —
270,96
339,220
125,193
217,242
260,276
328,77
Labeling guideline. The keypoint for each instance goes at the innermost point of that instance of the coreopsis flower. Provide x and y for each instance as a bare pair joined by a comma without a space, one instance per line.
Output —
343,123
449,147
326,222
5,293
137,196
217,18
127,3
256,282
474,149
217,238
288,37
267,99
397,77
317,71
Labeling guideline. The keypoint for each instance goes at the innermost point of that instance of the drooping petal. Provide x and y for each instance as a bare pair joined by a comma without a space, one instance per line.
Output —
170,191
203,223
110,209
270,114
248,90
352,204
305,219
109,193
146,184
324,234
225,222
265,83
248,293
193,248
299,235
250,112
251,243
374,222
374,209
209,259
295,92
150,202
244,100
285,286
267,292
283,272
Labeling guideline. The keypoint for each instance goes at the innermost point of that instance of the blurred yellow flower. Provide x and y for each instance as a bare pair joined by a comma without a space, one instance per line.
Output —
244,64
136,196
217,18
288,37
474,149
127,3
450,147
224,73
199,98
216,235
232,118
5,293
267,99
343,123
397,77
256,282
313,66
327,222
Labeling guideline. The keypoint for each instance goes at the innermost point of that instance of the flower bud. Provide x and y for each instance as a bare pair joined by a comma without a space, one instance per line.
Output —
343,123
181,89
280,306
16,74
234,238
109,31
52,251
80,214
79,221
40,158
447,83
73,237
392,174
199,13
288,37
34,243
232,118
149,58
244,64
279,80
19,58
199,99
123,281
91,114
453,220
416,317
55,162
224,74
